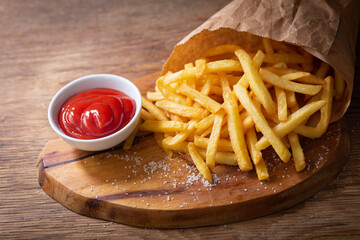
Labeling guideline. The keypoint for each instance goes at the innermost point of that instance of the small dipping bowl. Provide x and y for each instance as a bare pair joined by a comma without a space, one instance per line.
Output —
87,83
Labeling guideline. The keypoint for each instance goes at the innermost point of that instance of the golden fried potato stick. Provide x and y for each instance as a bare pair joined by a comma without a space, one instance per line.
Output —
267,45
281,71
199,162
214,139
295,76
162,126
325,113
281,104
154,96
235,126
224,145
158,138
291,99
323,70
129,141
289,85
227,158
256,83
200,98
146,115
181,110
257,60
154,110
226,65
256,156
200,65
218,50
251,140
297,152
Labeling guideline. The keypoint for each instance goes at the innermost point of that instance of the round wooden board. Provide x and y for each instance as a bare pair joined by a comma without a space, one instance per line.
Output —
141,187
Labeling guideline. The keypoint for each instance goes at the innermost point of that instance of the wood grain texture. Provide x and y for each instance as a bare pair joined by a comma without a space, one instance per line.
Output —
46,44
142,187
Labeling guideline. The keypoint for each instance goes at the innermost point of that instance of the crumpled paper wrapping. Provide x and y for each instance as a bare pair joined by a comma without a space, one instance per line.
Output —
326,29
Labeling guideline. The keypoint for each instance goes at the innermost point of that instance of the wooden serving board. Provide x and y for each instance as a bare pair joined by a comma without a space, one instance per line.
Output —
142,187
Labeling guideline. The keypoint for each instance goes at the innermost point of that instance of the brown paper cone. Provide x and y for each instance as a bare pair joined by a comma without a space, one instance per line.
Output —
326,29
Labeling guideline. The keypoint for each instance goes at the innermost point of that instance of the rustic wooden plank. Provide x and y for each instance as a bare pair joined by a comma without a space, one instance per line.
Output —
46,45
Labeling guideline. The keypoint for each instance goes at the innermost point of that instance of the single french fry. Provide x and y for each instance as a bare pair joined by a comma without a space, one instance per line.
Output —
325,113
261,123
224,145
281,71
227,158
181,110
257,60
292,122
214,139
200,98
267,45
288,85
256,83
226,65
261,170
179,147
281,104
218,50
339,85
291,98
280,65
129,141
154,110
251,140
162,126
235,126
199,162
158,138
200,65
323,70
260,166
154,96
297,152
295,76
146,115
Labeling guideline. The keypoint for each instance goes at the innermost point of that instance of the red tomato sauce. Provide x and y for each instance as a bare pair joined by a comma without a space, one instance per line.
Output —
96,113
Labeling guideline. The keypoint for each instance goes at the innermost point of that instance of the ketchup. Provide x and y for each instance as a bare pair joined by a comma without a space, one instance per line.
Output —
96,113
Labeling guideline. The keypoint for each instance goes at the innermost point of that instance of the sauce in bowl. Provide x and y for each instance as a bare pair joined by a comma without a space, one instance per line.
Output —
96,113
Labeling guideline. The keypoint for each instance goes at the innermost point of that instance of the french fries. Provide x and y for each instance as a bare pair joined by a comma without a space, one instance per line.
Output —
229,105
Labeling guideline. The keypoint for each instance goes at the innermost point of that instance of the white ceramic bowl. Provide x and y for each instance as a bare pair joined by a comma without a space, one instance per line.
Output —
87,83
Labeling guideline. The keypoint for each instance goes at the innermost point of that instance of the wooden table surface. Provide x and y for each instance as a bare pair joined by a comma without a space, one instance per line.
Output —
46,44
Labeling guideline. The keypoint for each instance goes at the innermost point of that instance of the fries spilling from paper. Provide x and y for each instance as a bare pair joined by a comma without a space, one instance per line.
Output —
230,104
